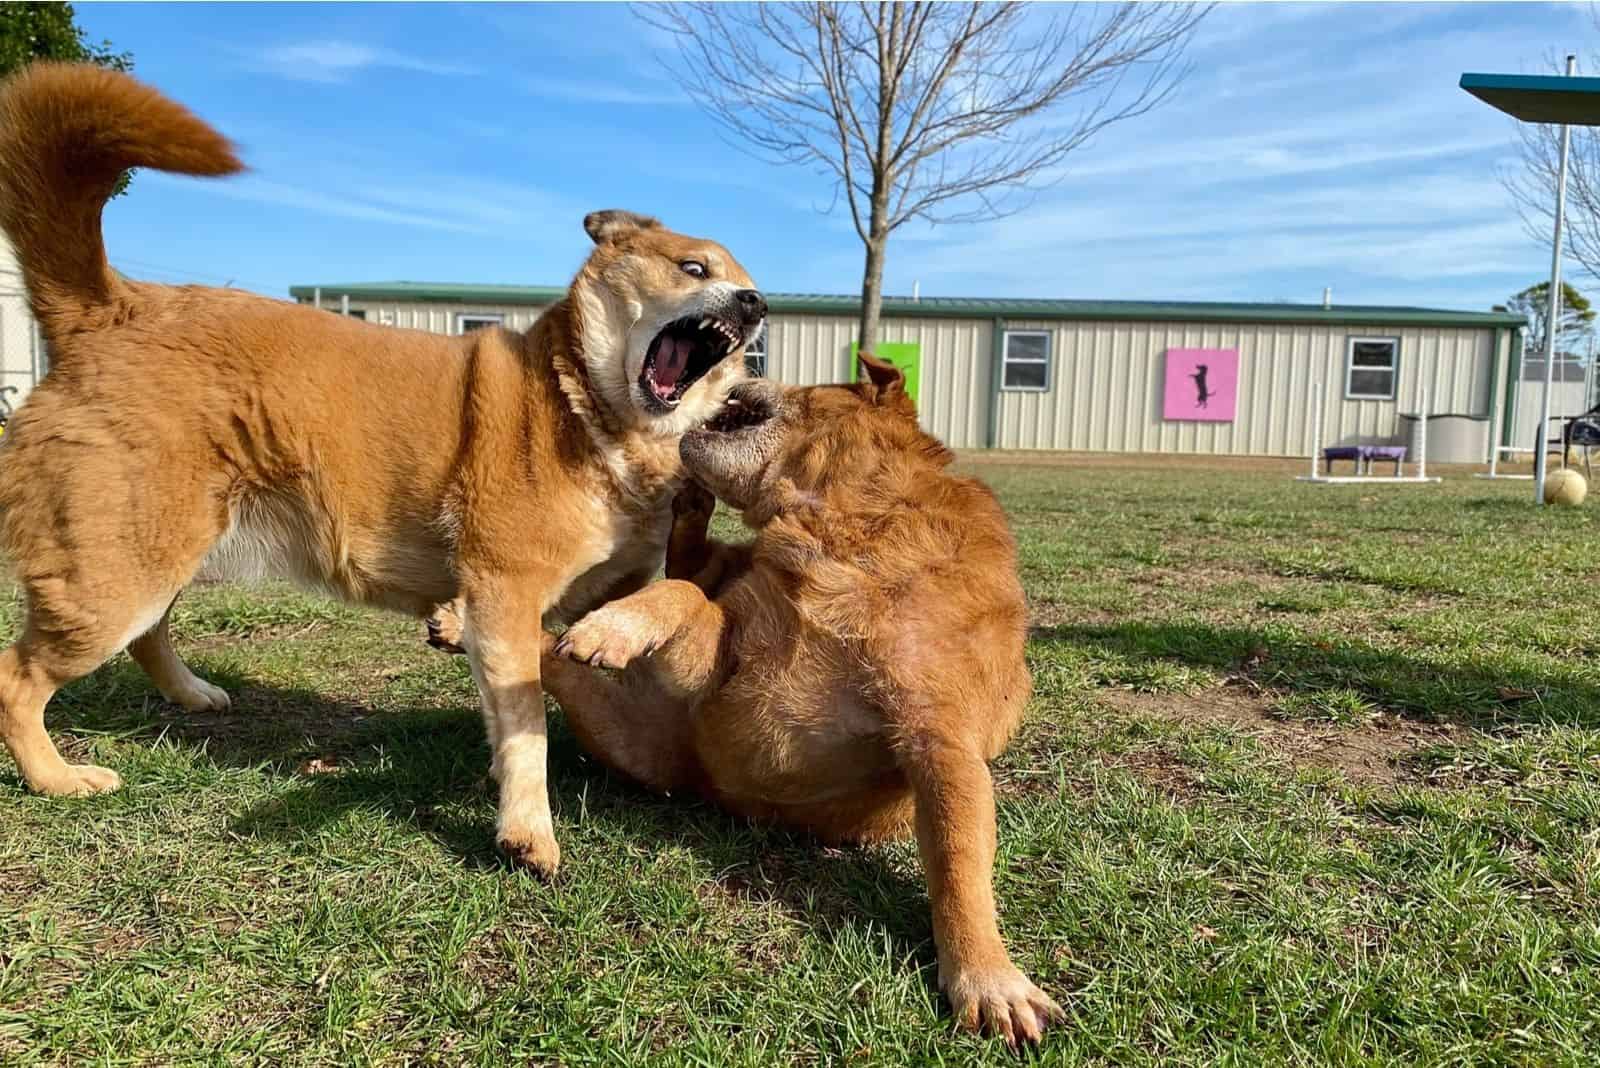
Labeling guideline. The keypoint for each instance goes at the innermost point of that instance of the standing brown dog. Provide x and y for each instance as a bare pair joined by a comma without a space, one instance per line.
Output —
851,673
180,429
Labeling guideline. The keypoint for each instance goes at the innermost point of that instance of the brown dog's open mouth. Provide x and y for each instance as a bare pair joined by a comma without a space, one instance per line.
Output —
680,356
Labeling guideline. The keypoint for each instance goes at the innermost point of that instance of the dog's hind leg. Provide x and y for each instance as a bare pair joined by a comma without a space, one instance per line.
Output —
153,651
101,547
69,633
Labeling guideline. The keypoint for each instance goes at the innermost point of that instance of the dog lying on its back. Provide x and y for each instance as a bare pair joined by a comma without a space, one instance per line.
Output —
851,672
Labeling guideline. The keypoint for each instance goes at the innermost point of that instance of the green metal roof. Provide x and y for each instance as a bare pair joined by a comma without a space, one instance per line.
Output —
958,307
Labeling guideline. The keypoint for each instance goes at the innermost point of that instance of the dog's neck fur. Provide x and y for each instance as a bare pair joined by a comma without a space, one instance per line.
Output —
797,516
640,467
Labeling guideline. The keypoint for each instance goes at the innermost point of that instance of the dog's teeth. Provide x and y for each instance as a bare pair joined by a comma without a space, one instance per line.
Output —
704,323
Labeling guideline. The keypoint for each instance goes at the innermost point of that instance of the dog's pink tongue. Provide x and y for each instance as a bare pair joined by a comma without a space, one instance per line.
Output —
671,358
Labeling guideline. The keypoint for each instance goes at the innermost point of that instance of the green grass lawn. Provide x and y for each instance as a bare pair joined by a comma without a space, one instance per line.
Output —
1312,775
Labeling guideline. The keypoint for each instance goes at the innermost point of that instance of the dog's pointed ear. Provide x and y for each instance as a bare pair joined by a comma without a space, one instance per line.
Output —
603,226
884,378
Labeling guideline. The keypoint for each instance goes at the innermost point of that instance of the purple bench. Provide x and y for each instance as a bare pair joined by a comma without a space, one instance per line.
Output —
1361,456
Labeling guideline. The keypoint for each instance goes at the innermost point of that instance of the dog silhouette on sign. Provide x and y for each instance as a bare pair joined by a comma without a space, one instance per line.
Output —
1204,393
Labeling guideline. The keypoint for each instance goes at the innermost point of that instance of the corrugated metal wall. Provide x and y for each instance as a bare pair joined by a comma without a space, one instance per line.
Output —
437,318
809,349
1107,385
1106,379
1566,398
19,342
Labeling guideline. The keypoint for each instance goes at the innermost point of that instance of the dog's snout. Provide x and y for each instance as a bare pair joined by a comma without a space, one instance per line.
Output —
752,305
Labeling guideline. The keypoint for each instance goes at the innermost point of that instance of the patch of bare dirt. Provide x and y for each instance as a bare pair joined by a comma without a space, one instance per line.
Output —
266,632
1171,777
1372,755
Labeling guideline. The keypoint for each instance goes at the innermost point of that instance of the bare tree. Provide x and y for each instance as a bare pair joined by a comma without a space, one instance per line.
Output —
1532,182
933,111
1532,185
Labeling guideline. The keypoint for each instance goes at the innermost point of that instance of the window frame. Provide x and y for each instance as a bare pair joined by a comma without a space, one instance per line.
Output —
1532,369
1350,366
1006,360
482,318
759,339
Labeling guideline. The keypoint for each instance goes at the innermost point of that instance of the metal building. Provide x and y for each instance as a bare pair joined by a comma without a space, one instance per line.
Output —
1098,375
21,352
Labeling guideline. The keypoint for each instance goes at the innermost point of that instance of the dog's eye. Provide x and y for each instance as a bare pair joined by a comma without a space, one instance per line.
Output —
693,268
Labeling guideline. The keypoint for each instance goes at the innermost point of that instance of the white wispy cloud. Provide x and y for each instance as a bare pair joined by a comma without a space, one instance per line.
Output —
334,62
258,190
595,92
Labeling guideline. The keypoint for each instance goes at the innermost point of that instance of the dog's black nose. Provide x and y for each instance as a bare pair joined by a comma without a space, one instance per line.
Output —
752,305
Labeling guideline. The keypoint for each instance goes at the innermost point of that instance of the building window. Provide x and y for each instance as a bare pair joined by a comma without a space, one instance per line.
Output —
1372,366
1025,360
1570,367
466,323
755,353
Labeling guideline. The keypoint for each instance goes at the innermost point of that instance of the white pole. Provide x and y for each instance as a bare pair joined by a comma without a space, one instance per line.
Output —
1588,375
1422,433
1316,426
1554,306
1497,426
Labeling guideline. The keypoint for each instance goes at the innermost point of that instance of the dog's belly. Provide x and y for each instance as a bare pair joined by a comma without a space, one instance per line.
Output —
281,538
795,748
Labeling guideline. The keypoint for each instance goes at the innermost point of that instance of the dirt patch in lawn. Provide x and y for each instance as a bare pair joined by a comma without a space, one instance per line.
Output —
1374,754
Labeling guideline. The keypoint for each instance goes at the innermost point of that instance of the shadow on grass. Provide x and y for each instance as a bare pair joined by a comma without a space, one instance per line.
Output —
428,767
1481,695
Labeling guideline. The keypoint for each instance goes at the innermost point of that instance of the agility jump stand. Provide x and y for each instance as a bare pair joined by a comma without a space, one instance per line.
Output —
1509,451
1321,479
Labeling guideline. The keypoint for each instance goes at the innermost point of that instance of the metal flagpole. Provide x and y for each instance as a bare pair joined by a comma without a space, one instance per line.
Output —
1554,306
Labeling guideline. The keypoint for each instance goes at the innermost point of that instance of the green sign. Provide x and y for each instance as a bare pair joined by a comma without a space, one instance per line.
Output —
906,355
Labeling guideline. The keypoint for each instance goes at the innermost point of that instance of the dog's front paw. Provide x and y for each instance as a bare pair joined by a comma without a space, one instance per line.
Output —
693,501
537,853
198,695
612,636
77,780
1001,1001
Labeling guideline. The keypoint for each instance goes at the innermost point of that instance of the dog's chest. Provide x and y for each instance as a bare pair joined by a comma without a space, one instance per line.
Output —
624,552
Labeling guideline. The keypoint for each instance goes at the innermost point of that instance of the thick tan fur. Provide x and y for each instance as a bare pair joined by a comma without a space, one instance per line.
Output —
189,428
850,673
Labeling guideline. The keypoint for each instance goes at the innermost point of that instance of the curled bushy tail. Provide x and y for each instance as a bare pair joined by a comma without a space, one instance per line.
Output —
67,134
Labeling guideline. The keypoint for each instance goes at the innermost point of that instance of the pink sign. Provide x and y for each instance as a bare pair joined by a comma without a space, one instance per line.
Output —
1202,384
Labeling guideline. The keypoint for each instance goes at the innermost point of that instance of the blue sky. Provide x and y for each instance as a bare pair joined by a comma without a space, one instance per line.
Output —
1313,145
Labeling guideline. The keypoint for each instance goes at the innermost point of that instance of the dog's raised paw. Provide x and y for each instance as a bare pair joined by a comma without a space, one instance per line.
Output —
1003,1002
613,636
693,501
